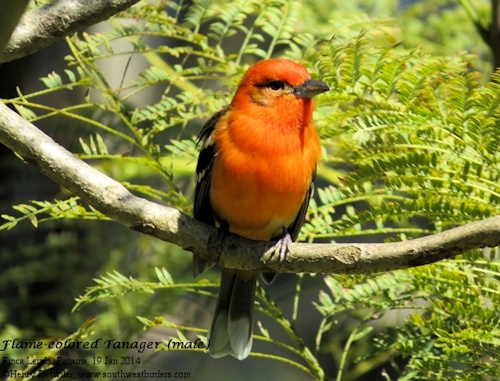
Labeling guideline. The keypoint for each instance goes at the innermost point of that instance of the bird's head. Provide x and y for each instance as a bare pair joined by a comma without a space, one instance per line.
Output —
278,83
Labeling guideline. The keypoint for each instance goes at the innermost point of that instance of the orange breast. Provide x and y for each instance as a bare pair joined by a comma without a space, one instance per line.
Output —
261,177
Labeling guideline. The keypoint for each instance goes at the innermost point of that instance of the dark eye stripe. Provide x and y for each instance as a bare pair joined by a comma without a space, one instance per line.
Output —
273,85
276,85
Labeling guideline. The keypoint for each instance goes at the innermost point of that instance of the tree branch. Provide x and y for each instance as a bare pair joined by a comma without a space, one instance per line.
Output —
168,224
43,26
12,11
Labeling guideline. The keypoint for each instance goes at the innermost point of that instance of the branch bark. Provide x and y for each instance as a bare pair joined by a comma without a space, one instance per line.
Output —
43,26
168,224
12,11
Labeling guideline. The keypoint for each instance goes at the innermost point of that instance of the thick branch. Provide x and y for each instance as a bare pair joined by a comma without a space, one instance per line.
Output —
12,11
168,224
43,26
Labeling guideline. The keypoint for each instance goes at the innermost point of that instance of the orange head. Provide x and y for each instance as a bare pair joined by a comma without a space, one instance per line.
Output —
280,91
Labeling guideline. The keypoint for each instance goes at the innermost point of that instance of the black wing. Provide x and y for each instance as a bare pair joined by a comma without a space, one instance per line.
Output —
202,207
208,153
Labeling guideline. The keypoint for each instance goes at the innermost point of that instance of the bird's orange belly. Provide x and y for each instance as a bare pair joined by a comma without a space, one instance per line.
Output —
258,197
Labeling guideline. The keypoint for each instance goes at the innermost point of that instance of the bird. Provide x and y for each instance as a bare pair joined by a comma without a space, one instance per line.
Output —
254,178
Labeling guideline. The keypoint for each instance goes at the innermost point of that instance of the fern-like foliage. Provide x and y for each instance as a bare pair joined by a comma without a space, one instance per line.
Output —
450,328
420,135
57,210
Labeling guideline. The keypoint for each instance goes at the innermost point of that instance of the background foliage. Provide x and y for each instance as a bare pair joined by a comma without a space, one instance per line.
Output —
410,147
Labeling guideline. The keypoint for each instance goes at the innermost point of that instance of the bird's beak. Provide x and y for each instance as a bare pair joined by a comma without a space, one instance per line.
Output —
310,88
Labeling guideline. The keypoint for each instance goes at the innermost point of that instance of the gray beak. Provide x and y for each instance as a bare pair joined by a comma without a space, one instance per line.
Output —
310,88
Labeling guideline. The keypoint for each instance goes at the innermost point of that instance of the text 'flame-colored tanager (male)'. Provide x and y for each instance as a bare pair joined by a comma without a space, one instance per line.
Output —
254,178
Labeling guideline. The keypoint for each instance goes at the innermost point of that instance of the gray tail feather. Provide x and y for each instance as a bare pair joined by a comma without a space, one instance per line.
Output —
231,331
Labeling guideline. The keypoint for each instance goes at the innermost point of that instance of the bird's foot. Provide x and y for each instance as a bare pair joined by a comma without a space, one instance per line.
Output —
282,247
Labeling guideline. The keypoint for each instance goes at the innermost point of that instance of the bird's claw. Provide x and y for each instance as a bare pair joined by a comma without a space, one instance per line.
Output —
282,247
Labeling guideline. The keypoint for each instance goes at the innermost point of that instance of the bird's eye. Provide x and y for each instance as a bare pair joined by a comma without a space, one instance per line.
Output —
276,85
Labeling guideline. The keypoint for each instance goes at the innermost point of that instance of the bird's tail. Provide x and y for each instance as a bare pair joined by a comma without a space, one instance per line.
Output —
231,331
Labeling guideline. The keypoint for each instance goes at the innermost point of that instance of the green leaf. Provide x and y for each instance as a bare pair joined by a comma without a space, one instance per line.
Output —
52,80
164,276
361,335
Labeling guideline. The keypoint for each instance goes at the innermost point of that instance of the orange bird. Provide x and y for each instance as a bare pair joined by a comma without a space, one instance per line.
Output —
254,178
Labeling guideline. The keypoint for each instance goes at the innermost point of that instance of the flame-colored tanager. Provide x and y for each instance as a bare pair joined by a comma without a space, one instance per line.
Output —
254,178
